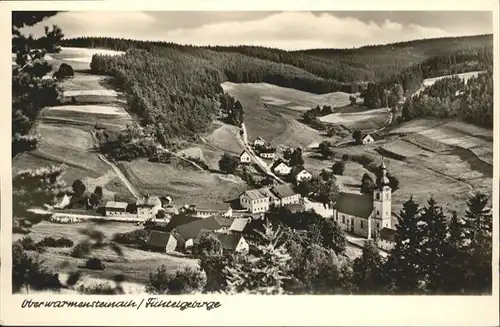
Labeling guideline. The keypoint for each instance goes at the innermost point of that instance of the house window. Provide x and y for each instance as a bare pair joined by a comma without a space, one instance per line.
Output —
361,223
378,225
343,219
378,213
352,222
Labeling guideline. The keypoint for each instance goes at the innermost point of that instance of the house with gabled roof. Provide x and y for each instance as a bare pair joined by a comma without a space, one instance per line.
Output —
267,153
362,214
300,174
386,238
259,142
148,206
113,208
367,139
258,200
286,194
233,242
210,209
280,167
245,157
187,233
161,241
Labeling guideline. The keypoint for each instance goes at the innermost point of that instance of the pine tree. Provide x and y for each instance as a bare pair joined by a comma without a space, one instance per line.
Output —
454,281
478,226
433,234
367,274
404,258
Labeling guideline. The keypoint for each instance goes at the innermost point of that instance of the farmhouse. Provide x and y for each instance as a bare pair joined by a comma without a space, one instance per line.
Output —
181,219
148,206
279,167
207,210
161,242
186,234
387,238
245,157
267,153
367,139
259,142
233,242
258,200
113,208
362,214
286,194
301,174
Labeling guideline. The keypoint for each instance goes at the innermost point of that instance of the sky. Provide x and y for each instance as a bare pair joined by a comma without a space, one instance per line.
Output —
285,30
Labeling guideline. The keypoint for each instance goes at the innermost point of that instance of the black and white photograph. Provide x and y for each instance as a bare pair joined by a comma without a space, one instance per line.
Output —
252,152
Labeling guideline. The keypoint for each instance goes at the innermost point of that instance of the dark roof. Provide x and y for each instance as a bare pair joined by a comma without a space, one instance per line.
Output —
283,191
193,229
267,150
358,205
244,152
388,234
213,207
277,163
229,241
179,220
158,239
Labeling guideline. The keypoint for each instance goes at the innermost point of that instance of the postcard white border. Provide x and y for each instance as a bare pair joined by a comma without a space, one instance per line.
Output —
240,309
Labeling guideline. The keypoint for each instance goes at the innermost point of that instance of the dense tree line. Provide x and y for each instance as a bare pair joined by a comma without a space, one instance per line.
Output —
383,93
369,63
470,101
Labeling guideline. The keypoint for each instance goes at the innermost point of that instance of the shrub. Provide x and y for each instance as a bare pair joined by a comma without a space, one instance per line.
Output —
64,70
98,289
94,264
136,237
81,250
183,281
28,271
62,242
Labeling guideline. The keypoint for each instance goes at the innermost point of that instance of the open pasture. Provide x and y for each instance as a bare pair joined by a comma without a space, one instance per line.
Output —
404,150
288,97
362,119
183,184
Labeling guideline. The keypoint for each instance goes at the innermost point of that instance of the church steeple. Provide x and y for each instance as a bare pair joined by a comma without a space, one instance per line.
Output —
383,180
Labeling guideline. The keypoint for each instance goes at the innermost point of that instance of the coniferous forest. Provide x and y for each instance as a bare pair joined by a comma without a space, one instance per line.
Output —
175,88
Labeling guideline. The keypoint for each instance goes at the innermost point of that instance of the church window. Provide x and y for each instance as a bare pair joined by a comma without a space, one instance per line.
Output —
378,213
378,196
387,196
378,225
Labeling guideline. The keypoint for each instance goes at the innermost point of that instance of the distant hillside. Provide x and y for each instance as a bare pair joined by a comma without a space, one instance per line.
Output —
370,63
174,88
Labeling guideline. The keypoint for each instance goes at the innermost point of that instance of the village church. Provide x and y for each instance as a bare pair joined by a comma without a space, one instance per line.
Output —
362,214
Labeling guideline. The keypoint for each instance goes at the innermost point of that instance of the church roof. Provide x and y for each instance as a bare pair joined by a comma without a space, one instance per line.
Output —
358,205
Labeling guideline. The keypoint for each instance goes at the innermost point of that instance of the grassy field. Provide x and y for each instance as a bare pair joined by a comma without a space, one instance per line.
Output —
271,112
135,264
356,118
183,184
433,157
66,130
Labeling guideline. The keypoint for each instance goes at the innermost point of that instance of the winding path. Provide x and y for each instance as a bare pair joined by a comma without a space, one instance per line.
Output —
120,175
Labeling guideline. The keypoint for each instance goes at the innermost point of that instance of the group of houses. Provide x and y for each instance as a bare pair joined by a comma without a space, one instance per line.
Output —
260,200
183,231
